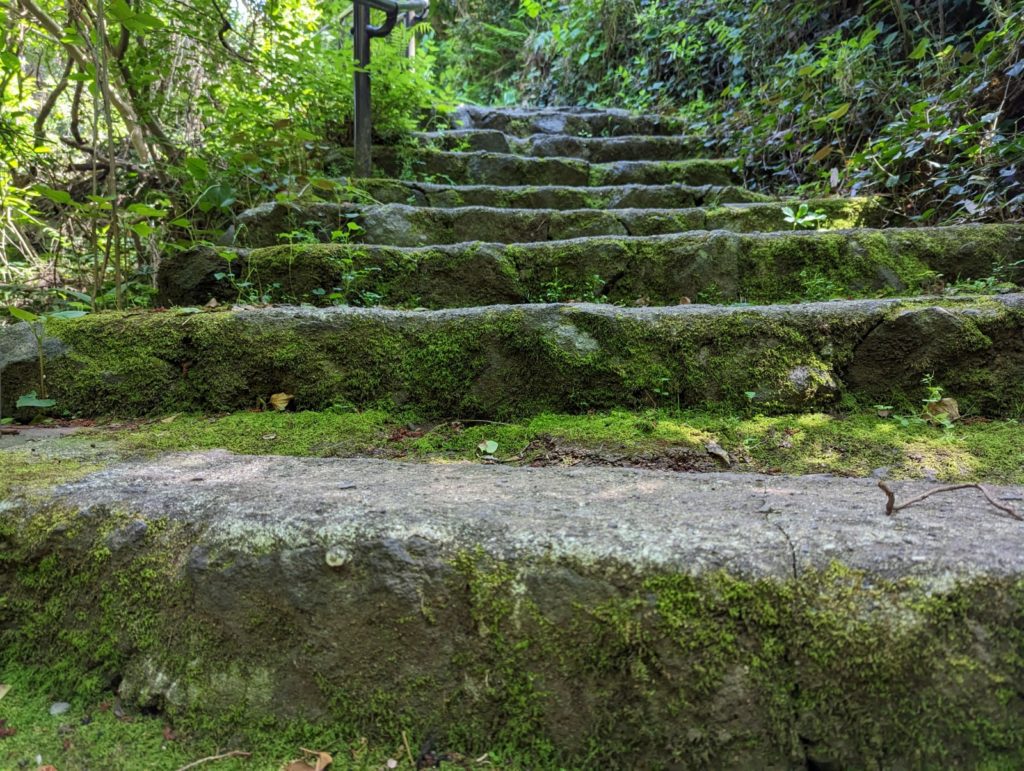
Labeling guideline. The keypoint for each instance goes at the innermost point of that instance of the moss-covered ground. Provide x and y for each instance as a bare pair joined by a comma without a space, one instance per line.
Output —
98,734
849,444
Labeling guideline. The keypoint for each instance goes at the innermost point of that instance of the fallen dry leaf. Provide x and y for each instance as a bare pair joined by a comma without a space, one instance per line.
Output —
942,411
4,730
4,688
281,401
318,761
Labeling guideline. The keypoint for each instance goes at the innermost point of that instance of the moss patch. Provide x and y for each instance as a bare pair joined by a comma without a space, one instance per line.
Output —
852,444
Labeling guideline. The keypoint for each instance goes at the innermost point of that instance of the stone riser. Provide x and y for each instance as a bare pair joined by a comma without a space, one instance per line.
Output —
403,225
637,613
660,270
519,360
483,168
675,196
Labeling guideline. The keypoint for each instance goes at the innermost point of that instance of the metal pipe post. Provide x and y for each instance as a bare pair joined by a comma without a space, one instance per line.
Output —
363,118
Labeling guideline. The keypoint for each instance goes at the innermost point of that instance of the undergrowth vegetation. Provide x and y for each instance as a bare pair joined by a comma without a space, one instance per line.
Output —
129,130
921,100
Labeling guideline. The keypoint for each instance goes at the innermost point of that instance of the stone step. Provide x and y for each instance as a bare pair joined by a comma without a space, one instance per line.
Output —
593,149
484,168
703,266
673,196
501,361
638,612
403,225
570,121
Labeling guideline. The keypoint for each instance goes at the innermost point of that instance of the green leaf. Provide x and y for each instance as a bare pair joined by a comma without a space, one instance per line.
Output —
22,315
31,400
919,52
67,314
143,229
488,447
120,10
57,196
144,210
839,112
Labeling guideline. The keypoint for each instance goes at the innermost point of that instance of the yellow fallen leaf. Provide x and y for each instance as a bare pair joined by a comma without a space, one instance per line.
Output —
319,762
4,688
281,401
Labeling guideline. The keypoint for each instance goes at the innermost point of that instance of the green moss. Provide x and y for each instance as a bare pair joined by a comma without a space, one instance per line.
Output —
853,444
554,663
28,473
91,736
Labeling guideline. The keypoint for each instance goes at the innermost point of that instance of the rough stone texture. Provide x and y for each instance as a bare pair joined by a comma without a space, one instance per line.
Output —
465,139
405,225
571,617
658,270
517,360
580,122
608,149
271,223
486,168
674,196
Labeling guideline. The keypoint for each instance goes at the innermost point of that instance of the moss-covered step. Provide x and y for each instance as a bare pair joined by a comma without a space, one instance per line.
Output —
699,266
519,360
593,149
403,225
485,168
579,122
568,618
674,196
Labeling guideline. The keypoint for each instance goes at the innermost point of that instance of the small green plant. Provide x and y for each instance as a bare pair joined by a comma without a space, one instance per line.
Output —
34,321
804,218
558,291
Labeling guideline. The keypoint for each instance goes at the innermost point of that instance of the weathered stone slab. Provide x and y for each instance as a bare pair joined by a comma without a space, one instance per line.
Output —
404,225
770,622
610,149
592,149
465,139
485,168
674,196
578,122
659,270
519,360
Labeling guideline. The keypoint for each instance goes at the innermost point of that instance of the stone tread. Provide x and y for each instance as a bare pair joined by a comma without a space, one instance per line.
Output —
751,526
593,149
568,121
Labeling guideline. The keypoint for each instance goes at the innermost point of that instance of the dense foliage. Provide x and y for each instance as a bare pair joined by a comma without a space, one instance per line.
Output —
133,127
922,99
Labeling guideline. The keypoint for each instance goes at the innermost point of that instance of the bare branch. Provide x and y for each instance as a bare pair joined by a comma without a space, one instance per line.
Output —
891,508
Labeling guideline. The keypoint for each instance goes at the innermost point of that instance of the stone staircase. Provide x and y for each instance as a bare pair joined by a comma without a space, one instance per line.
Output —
532,262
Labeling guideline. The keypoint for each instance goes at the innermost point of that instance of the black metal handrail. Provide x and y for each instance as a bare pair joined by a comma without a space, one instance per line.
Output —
362,33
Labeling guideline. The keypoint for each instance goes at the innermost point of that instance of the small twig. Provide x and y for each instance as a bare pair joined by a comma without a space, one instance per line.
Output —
891,508
211,758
